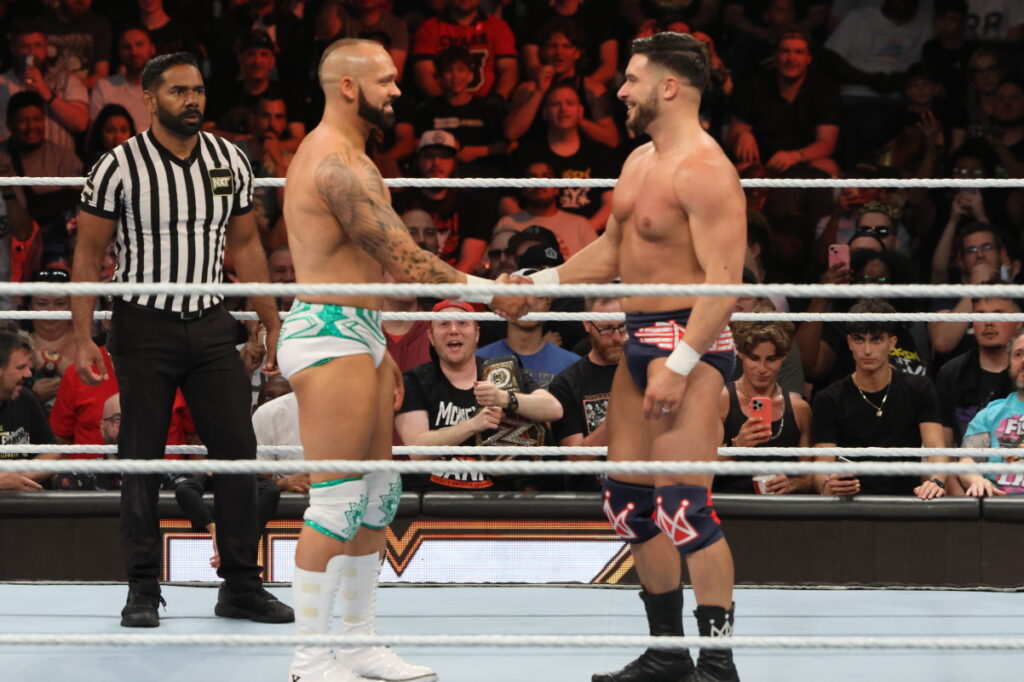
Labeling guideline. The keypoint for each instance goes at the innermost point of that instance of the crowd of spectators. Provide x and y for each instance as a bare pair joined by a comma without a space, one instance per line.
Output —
527,88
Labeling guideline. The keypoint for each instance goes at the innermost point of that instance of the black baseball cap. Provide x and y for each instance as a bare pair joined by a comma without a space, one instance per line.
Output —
540,256
59,275
534,233
257,39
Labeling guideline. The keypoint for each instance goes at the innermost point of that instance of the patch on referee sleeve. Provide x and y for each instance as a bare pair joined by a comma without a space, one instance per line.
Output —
222,182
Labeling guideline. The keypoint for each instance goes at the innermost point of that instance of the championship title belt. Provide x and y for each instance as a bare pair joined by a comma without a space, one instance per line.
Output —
512,429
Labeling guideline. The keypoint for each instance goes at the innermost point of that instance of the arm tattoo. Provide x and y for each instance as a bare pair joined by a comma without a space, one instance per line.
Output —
976,440
356,195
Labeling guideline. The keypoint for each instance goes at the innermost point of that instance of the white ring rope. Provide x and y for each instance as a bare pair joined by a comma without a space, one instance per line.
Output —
165,466
596,317
521,451
885,291
549,641
793,183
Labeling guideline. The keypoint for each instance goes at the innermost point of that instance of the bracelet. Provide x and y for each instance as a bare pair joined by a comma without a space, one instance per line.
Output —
937,482
683,359
513,401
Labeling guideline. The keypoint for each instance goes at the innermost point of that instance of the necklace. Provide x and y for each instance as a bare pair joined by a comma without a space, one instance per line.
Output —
782,419
877,408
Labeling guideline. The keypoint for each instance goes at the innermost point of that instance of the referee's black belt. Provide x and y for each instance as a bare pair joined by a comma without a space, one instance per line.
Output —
187,316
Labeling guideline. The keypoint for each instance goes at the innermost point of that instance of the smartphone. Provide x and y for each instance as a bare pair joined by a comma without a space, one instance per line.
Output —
761,407
839,253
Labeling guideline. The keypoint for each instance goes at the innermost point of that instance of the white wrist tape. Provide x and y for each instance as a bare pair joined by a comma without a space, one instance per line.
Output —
683,359
546,277
473,281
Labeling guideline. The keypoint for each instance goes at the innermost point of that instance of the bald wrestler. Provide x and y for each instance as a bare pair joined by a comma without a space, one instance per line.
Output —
678,217
341,228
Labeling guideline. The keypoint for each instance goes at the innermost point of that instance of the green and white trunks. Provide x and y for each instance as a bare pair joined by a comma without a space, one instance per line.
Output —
315,333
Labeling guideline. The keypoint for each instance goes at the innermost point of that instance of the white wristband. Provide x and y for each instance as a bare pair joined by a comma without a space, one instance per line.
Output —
473,281
546,277
683,359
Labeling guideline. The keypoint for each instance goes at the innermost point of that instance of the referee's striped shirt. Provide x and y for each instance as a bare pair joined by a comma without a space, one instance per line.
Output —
171,213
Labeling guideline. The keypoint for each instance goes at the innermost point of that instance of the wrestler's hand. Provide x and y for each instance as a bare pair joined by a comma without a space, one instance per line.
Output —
89,363
489,395
512,307
664,393
270,359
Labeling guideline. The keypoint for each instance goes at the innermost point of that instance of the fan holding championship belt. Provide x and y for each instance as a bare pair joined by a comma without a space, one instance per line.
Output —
458,399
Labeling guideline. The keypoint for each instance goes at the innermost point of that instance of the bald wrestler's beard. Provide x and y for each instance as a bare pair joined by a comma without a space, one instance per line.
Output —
375,116
643,114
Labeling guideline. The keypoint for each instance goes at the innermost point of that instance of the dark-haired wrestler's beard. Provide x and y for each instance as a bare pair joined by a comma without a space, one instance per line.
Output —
378,117
643,114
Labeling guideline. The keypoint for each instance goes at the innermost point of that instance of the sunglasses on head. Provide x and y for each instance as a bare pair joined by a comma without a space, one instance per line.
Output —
875,230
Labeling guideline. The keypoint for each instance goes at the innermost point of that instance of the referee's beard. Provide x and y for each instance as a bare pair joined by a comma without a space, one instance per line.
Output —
185,124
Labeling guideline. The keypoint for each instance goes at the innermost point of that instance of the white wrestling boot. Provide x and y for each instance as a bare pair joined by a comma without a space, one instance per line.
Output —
359,578
313,595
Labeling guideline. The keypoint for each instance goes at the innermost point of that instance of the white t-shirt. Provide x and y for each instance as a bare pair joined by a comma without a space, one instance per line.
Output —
276,422
117,90
873,44
992,19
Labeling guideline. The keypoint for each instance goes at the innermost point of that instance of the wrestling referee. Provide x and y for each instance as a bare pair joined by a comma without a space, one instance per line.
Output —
173,198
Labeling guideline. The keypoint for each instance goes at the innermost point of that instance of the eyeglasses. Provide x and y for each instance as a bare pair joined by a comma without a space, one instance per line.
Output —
113,419
865,278
985,248
968,172
498,253
608,331
875,230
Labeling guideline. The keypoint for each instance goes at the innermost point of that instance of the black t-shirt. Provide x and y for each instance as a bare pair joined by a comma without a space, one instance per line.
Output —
592,18
175,36
950,66
477,123
905,357
460,214
427,388
591,160
23,422
228,100
965,388
583,390
782,125
843,417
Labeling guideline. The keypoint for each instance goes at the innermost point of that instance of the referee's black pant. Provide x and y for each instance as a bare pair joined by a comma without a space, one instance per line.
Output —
154,353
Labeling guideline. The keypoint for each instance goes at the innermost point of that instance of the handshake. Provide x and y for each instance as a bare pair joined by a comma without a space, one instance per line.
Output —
513,307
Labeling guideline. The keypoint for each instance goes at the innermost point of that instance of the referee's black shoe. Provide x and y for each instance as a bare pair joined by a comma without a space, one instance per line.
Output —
141,610
257,605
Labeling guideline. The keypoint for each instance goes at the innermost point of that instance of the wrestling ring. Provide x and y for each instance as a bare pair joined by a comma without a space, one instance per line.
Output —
504,633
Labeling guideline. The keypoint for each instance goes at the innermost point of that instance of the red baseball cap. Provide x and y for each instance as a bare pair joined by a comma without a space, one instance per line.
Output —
449,303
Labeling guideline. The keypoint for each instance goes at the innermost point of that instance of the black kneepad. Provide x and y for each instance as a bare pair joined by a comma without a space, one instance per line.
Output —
629,509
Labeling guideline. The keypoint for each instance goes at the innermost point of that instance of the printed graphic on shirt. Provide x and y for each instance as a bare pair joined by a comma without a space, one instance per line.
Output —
595,407
1009,434
17,437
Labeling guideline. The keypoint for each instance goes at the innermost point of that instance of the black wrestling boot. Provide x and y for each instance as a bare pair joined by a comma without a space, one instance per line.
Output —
141,609
665,619
714,665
